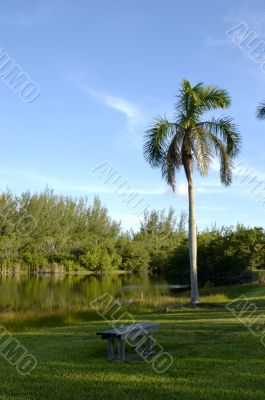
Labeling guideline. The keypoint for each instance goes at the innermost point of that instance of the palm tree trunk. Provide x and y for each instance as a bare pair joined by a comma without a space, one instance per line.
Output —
193,244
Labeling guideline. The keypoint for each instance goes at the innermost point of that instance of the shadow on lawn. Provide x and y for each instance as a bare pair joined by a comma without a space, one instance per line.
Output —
73,366
215,356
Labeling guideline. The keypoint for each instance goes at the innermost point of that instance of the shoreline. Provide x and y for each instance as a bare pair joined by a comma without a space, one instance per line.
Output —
51,273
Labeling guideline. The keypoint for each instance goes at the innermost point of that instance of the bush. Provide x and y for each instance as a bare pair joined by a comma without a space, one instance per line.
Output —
36,262
100,260
224,257
134,255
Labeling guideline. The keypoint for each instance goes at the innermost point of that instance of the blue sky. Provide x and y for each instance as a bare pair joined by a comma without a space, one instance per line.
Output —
105,68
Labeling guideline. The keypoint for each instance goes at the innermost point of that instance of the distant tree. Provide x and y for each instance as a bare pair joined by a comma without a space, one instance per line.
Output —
228,255
135,256
161,232
191,142
158,223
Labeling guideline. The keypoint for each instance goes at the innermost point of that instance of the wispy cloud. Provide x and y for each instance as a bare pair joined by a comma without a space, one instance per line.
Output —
117,103
202,188
135,117
63,185
54,183
38,181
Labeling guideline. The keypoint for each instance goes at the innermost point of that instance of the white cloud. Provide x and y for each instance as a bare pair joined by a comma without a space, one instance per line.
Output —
117,103
182,190
136,119
207,188
122,105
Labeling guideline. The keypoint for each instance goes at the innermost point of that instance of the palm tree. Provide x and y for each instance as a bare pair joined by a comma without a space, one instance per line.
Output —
193,143
261,110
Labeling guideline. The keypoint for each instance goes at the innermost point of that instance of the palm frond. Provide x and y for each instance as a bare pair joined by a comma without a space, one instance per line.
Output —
261,111
202,149
187,97
212,97
226,130
194,101
155,140
226,162
172,163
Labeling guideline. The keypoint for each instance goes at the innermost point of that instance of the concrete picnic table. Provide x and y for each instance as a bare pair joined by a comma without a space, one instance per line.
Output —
122,334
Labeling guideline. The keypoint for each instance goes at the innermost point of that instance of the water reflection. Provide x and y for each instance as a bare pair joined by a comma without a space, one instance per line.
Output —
62,291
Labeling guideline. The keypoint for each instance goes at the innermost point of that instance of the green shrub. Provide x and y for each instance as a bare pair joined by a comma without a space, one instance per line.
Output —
36,262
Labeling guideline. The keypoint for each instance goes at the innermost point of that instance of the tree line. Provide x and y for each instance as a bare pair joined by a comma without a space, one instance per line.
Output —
50,233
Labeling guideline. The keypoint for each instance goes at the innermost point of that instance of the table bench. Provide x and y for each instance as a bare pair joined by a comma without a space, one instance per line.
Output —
120,335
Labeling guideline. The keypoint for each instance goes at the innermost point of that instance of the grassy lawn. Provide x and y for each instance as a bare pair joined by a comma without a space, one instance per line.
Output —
215,357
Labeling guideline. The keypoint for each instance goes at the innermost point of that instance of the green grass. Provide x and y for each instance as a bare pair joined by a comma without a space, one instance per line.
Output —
34,316
215,356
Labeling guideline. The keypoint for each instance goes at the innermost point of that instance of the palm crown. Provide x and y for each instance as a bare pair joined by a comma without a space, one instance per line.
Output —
191,142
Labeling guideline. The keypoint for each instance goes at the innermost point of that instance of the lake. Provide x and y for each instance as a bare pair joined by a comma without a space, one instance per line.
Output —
46,292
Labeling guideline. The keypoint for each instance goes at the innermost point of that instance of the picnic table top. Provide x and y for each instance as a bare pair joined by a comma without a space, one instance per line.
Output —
144,326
